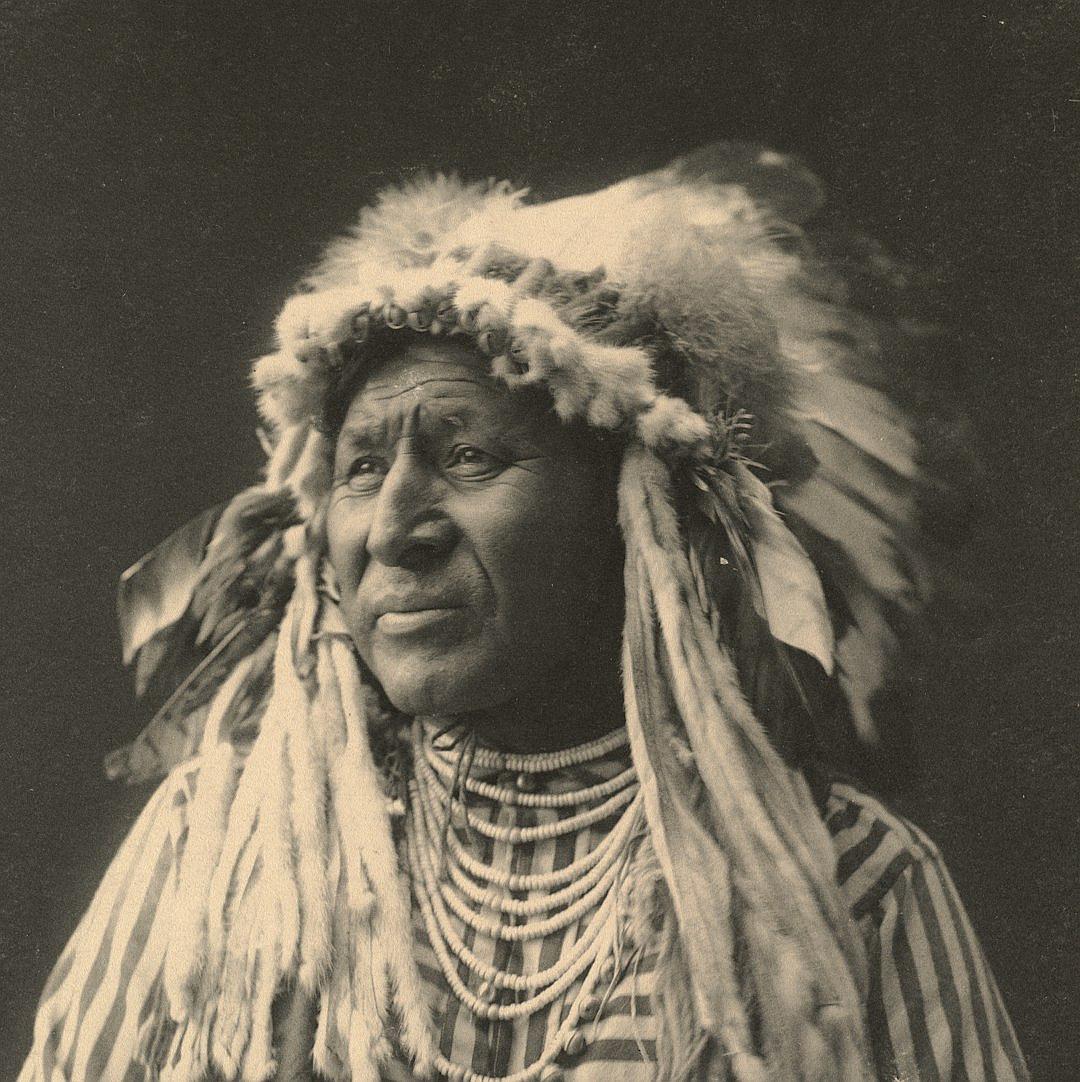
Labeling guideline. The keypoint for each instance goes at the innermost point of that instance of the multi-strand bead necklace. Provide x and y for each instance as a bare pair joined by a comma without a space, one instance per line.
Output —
457,891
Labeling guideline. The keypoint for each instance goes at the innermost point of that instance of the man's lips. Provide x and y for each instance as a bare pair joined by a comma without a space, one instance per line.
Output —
409,601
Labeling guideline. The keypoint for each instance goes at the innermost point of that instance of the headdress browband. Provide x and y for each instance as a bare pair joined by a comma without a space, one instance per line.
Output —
495,304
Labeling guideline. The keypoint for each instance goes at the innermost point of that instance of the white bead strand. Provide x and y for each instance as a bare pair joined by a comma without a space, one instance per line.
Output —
514,933
543,832
505,795
548,761
485,971
446,878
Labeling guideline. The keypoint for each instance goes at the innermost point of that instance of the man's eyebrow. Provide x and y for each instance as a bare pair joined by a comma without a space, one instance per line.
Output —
366,428
357,432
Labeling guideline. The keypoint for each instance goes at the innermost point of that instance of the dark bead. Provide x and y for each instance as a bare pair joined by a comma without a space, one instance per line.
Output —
316,356
527,783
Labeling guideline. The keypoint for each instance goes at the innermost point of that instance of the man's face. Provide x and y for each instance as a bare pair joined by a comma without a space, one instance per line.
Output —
472,533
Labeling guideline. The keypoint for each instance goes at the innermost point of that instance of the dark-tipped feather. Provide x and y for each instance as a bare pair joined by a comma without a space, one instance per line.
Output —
207,603
155,592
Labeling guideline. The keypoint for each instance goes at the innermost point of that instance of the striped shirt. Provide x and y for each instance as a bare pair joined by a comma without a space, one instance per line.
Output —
934,1010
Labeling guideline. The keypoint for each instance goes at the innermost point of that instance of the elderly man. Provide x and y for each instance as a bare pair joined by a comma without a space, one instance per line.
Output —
502,755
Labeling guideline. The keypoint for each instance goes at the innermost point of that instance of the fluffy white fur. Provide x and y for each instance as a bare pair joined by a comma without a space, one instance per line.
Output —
698,258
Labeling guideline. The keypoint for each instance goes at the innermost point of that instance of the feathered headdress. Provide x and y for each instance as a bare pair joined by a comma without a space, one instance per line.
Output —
768,500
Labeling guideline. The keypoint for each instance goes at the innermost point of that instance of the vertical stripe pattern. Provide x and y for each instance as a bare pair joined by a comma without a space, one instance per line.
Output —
935,1013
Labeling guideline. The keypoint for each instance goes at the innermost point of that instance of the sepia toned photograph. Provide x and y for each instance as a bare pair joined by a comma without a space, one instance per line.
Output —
540,542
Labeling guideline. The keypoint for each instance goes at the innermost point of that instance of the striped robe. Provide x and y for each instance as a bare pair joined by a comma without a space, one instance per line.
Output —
934,1009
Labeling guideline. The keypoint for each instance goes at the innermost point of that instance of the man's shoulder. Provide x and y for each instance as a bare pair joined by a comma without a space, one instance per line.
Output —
102,988
875,846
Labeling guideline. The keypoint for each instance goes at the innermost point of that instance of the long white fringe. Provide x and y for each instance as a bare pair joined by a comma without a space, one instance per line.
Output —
804,969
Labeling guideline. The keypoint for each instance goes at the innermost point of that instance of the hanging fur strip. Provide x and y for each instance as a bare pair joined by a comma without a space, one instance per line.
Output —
360,797
291,874
751,834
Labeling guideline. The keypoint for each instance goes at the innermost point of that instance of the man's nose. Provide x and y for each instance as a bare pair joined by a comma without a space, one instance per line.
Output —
409,526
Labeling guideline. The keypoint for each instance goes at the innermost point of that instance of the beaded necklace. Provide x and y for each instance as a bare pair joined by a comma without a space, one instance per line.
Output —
449,882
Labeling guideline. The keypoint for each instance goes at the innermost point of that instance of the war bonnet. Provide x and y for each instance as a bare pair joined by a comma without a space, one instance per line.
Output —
685,309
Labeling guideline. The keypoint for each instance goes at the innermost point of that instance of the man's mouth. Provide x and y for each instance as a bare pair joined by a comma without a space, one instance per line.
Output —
405,621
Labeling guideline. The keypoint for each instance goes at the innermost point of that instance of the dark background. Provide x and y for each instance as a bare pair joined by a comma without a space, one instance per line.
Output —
167,172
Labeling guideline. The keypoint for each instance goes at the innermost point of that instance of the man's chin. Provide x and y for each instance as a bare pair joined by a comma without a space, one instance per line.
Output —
439,689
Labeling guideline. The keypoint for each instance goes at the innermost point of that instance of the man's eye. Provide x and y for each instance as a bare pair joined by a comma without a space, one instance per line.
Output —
365,473
473,463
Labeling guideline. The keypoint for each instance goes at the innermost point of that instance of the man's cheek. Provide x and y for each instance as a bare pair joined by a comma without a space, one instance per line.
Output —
345,548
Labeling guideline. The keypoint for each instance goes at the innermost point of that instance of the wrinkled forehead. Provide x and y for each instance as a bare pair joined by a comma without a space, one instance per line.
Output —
442,379
424,366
